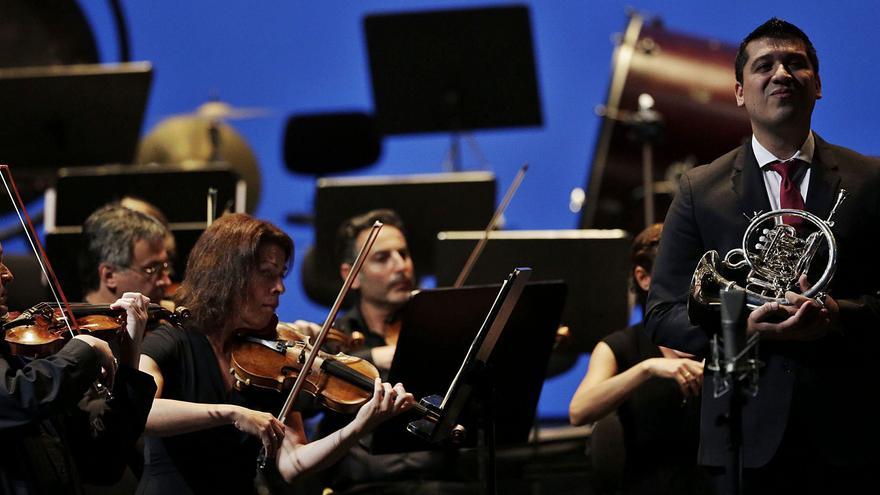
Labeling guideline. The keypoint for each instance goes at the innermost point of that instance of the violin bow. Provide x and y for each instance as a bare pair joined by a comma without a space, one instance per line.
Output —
325,330
37,247
478,249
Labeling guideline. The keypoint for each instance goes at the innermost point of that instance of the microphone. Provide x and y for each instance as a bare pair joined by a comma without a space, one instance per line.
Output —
735,360
733,314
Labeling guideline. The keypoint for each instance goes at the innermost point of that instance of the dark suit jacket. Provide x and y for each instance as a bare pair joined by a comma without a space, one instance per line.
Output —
824,382
47,443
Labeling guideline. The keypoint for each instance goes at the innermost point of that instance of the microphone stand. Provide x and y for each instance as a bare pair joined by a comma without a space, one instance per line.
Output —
735,373
733,330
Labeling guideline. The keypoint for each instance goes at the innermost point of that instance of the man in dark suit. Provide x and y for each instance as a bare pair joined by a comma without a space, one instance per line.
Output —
808,429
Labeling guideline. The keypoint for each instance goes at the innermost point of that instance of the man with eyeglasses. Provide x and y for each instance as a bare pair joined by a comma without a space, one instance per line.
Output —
124,251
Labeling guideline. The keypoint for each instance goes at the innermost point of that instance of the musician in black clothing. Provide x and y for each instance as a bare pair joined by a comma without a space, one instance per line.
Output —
383,287
655,393
56,432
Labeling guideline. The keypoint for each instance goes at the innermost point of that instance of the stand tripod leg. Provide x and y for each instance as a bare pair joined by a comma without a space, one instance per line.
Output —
486,446
648,182
453,160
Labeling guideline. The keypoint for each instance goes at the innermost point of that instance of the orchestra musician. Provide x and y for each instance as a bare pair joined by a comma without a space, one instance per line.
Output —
809,429
144,206
107,268
202,435
650,388
56,434
383,286
124,251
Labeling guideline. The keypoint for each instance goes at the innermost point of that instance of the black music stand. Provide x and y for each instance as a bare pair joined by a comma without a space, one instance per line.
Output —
439,325
423,202
79,191
593,263
453,71
66,115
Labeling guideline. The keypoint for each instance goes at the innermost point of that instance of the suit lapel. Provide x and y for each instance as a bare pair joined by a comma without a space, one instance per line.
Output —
824,180
748,182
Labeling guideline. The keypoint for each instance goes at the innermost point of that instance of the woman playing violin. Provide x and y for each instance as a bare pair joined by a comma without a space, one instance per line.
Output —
55,434
203,435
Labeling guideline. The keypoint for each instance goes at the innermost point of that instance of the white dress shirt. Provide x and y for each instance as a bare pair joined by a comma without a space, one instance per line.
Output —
772,180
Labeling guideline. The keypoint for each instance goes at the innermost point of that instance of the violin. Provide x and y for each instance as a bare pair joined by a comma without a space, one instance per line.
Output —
43,330
337,341
338,382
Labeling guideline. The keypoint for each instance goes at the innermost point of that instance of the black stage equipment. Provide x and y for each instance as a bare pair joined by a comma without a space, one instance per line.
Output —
438,328
326,143
453,70
180,193
69,115
72,115
427,204
593,263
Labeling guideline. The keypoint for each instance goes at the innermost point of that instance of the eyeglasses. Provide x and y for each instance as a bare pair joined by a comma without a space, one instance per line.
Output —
156,268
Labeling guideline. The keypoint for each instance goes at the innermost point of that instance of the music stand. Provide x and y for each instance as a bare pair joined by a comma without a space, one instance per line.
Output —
79,191
67,115
439,325
593,263
453,71
423,203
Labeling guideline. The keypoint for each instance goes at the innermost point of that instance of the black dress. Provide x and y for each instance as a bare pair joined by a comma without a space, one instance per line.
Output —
215,460
52,437
660,428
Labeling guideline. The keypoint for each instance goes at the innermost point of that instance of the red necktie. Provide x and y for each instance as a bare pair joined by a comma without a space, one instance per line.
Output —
789,190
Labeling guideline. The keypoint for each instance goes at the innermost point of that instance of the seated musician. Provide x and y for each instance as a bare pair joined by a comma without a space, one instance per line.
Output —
124,251
55,432
126,246
144,206
202,434
650,389
383,285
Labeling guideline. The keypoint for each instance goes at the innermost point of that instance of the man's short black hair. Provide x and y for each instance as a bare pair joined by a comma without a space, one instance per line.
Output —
346,236
775,29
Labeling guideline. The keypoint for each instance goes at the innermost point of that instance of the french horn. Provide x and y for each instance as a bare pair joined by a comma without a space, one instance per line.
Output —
775,256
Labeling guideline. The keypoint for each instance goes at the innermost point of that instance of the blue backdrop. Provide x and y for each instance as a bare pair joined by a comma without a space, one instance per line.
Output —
297,56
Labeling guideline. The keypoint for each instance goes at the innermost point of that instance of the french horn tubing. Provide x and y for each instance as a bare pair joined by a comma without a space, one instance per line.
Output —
775,256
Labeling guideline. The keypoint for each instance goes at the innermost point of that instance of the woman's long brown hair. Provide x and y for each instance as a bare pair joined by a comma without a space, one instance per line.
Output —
219,268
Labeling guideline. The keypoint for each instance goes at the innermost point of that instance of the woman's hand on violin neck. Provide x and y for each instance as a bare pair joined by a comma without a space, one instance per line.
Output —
135,305
105,356
262,425
387,402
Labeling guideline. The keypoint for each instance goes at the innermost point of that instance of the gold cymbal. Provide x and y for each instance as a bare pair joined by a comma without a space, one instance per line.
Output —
187,140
